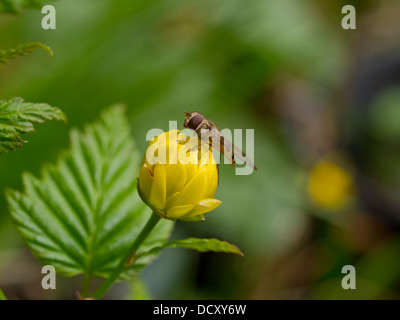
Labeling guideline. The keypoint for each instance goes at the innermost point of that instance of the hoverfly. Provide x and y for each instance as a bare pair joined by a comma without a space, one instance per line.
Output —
197,122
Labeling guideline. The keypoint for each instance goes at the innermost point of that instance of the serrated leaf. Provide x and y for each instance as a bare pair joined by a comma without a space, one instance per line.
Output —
2,296
17,117
22,50
15,6
83,215
202,245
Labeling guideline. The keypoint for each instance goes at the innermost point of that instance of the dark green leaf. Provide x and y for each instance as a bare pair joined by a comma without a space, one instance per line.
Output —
17,117
84,213
22,50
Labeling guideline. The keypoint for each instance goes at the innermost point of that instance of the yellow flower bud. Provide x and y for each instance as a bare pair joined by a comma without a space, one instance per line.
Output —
176,187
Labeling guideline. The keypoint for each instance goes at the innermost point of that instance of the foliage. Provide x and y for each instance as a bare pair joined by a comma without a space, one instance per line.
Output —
22,50
17,117
202,245
83,214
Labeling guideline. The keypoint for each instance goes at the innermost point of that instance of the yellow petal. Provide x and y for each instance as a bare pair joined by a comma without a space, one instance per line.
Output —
172,134
156,151
181,136
191,171
176,178
177,212
192,193
171,200
212,181
158,190
203,206
145,182
172,147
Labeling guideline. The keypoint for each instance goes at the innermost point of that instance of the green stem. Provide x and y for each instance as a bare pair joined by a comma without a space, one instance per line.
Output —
87,278
151,223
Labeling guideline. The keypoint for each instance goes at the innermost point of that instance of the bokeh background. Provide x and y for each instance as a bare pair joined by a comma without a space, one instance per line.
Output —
324,103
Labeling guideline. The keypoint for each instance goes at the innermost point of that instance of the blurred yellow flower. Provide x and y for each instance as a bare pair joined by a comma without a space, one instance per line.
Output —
177,188
330,186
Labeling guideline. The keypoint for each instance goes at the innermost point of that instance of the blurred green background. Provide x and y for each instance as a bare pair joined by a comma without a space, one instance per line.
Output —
324,103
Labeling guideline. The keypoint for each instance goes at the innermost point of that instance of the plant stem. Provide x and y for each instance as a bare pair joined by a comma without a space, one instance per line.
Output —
87,278
151,223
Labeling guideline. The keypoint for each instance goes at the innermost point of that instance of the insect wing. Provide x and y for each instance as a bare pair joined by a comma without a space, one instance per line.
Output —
224,146
221,144
231,151
240,154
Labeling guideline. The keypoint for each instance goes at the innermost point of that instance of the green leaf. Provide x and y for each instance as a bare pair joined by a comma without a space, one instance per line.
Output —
15,6
202,245
83,215
2,296
16,118
22,50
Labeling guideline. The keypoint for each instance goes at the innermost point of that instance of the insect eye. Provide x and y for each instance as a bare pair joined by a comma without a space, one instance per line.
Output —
195,121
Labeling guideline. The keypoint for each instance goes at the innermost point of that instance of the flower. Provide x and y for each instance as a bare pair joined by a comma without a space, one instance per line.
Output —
330,186
173,181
